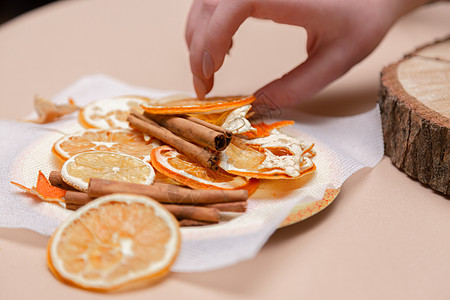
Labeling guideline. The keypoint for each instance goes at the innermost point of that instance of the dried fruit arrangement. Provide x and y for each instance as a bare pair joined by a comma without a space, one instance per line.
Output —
196,157
143,167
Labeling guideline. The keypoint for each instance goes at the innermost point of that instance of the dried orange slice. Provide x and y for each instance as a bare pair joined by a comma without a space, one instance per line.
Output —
179,167
177,105
114,241
277,156
112,140
110,112
79,169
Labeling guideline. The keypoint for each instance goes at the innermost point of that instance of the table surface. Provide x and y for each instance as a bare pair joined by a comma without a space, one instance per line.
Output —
384,237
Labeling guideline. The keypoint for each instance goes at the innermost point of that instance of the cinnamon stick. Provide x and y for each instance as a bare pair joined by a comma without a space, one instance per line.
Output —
193,131
146,125
77,198
228,134
71,206
56,180
187,214
194,212
189,222
239,206
165,193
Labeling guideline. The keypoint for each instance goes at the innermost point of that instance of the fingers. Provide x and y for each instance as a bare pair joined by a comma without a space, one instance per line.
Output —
323,66
211,26
197,28
226,20
191,23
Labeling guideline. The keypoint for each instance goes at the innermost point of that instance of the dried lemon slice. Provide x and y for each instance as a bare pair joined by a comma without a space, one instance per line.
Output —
110,112
113,241
277,156
178,105
79,169
179,167
112,140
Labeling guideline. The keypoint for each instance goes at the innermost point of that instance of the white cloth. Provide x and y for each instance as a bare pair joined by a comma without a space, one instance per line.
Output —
343,145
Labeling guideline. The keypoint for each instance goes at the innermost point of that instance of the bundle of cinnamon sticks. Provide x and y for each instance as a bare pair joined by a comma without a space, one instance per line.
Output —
190,207
187,134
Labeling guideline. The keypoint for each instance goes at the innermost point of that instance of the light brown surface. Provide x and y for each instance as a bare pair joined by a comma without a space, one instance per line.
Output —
384,237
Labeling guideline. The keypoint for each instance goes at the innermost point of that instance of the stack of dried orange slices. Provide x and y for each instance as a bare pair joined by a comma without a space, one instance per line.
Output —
260,150
256,150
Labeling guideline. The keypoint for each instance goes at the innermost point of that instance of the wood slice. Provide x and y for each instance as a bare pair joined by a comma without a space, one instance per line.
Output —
415,113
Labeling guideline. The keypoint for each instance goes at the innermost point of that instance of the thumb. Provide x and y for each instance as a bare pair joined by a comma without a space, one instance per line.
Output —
322,67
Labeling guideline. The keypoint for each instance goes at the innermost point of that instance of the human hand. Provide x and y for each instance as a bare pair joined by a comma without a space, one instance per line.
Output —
340,34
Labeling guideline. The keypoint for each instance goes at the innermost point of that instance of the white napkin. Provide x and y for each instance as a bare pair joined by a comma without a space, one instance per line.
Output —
343,145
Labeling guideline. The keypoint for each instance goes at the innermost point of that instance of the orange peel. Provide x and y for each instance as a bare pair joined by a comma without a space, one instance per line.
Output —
48,111
263,129
44,190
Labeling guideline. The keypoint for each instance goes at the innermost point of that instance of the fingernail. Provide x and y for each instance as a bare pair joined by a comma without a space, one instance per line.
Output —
208,65
229,49
199,86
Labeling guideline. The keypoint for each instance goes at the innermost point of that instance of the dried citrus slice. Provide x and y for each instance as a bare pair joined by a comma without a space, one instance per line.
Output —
112,140
177,105
79,169
277,156
114,241
179,167
109,112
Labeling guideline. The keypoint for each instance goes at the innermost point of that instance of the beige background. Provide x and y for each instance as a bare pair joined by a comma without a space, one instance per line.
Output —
385,236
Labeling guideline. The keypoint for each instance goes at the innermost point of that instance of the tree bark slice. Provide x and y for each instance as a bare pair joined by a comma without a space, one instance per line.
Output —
415,112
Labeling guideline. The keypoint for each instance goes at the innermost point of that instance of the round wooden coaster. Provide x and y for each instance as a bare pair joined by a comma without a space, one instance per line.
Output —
415,113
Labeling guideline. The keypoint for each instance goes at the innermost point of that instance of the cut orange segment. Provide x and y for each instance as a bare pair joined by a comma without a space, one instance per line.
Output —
112,140
79,169
276,156
177,105
110,112
179,167
114,241
44,190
